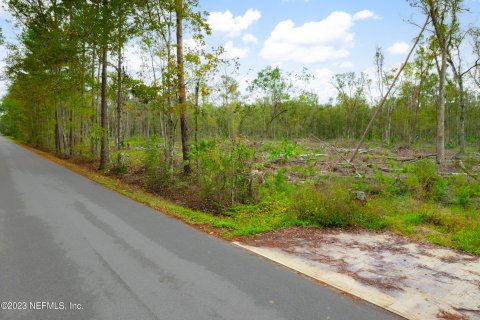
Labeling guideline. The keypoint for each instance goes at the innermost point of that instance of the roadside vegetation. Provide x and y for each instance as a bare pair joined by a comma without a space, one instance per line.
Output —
251,187
245,188
241,163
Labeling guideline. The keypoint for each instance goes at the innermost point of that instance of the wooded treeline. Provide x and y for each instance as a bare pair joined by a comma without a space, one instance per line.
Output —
71,93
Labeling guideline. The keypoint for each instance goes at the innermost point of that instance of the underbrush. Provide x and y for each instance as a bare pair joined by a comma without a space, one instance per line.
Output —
224,172
159,168
332,206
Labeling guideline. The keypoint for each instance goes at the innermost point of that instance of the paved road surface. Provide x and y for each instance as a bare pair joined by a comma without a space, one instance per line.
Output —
65,239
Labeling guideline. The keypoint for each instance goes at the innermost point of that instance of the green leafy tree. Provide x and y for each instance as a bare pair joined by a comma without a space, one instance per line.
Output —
275,89
444,18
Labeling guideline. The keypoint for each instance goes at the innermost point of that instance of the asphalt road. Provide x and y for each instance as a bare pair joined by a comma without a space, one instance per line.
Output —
68,243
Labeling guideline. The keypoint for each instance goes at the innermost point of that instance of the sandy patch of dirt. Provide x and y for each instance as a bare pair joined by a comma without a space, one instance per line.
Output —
426,280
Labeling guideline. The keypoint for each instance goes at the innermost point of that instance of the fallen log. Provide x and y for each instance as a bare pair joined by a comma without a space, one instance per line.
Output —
413,159
462,166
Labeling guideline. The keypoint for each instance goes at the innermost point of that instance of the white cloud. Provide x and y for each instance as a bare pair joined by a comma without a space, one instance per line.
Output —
234,52
346,65
249,38
364,15
233,26
398,48
316,41
312,42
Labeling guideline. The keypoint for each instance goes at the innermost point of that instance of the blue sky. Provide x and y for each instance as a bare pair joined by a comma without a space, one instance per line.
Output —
325,36
384,28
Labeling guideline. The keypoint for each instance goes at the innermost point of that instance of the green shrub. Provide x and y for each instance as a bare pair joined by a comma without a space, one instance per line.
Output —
276,185
119,164
464,191
440,188
282,153
159,169
413,185
385,185
267,215
372,215
422,178
224,172
464,196
330,205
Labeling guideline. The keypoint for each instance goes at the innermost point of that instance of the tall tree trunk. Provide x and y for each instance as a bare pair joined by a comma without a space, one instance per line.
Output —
171,133
441,111
118,138
413,137
163,125
462,115
57,131
181,88
104,113
170,124
94,117
388,128
197,111
71,140
63,130
81,133
82,89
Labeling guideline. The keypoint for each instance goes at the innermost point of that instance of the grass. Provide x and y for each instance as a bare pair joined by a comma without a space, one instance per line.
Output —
420,205
429,222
